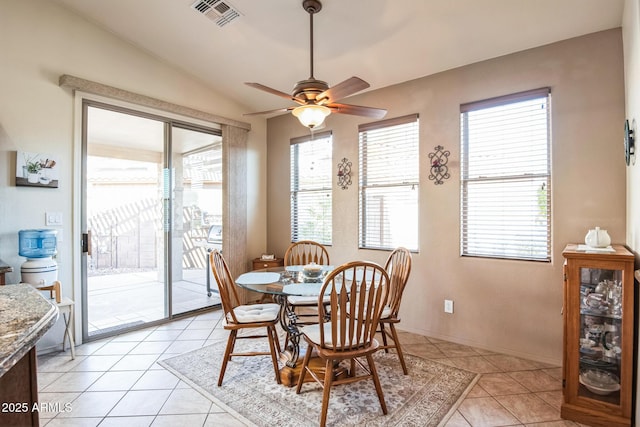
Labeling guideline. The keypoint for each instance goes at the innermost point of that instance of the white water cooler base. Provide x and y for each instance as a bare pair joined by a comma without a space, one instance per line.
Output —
39,271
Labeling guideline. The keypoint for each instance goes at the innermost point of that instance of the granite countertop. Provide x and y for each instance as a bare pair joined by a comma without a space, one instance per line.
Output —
25,316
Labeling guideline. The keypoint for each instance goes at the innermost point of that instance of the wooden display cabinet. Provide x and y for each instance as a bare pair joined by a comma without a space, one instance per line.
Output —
598,365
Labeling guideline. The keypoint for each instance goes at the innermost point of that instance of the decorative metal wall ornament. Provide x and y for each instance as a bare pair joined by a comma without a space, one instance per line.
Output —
439,168
344,174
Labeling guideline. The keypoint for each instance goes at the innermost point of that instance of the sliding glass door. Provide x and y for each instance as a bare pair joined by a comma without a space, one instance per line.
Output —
151,206
196,160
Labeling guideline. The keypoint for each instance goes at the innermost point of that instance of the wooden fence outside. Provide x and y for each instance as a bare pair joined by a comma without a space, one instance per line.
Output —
129,237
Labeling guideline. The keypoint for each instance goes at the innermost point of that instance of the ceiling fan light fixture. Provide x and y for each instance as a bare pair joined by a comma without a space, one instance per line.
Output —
315,98
311,115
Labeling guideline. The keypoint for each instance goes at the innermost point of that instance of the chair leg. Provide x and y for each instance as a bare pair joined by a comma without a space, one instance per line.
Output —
233,336
270,334
396,342
326,391
276,339
383,332
376,382
231,341
303,369
352,368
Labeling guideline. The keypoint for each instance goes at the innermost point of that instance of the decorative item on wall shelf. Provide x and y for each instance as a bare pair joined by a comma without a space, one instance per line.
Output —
344,174
629,142
439,168
36,170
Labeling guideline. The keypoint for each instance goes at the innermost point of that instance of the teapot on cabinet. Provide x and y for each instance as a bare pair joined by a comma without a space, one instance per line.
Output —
597,238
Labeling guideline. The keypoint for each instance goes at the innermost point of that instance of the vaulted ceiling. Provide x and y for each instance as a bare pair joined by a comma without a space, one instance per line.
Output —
381,41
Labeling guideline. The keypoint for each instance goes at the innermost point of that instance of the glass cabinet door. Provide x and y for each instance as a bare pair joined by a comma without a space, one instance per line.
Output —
600,355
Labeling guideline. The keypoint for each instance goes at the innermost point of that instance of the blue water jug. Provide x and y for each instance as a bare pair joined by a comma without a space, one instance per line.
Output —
37,243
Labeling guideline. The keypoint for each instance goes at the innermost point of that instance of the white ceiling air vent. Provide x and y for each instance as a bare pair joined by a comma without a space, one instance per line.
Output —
221,12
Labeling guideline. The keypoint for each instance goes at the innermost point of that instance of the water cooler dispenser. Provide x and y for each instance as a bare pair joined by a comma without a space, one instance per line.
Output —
41,271
38,246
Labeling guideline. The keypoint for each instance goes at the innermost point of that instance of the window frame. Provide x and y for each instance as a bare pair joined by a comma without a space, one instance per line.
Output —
394,181
465,179
294,176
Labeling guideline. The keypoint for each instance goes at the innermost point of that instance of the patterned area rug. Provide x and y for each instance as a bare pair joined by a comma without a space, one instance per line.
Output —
426,397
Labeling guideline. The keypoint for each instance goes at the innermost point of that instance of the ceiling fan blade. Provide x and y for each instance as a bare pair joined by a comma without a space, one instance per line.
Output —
274,92
277,110
342,90
358,110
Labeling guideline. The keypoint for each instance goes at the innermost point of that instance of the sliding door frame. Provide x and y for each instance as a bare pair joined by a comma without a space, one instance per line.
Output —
169,120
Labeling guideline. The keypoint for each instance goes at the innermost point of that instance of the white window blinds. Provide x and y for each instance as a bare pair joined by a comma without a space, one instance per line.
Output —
506,177
311,188
389,176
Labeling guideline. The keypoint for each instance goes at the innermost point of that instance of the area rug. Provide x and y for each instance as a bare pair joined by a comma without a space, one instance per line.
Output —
426,397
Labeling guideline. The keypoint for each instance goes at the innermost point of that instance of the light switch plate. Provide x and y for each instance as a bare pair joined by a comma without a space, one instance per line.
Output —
53,218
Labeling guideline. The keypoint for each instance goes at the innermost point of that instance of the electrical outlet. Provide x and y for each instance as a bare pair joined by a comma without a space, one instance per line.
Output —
448,306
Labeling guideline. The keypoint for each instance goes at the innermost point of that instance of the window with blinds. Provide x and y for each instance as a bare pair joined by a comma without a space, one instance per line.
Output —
506,177
389,176
311,206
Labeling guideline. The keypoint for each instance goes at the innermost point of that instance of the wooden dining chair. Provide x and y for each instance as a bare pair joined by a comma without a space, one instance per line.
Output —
306,252
238,317
357,292
302,253
398,267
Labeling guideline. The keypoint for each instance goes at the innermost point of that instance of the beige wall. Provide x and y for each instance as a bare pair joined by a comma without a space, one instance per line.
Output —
631,37
40,41
507,306
504,305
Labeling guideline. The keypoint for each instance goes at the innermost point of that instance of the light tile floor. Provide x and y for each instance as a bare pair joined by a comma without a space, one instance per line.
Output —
117,382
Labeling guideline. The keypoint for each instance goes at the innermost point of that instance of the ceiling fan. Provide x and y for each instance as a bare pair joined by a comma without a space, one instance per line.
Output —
315,99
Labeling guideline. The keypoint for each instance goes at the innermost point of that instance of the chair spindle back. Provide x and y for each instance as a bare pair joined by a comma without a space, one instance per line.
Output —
305,252
226,285
357,292
398,267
